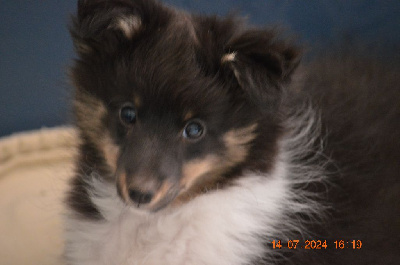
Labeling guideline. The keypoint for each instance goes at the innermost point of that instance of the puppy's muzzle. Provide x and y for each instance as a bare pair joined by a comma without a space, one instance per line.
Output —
146,195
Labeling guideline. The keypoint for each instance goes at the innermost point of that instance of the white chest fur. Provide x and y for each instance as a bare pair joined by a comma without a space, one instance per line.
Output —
223,227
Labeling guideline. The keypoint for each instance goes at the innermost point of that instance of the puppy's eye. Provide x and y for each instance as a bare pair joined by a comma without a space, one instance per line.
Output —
127,115
193,130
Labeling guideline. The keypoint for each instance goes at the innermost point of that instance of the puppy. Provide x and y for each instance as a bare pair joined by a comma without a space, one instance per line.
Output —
202,141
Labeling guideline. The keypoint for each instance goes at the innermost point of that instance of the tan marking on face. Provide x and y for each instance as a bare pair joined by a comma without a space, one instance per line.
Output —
161,193
137,101
205,183
193,170
111,152
123,187
89,113
199,176
188,116
129,25
236,142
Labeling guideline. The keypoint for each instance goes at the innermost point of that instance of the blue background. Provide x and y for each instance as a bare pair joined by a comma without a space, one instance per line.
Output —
35,48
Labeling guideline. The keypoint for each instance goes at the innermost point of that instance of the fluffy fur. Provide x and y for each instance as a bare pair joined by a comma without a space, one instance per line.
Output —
202,141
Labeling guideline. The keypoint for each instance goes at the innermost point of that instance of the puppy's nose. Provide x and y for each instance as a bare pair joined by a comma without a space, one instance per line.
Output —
140,197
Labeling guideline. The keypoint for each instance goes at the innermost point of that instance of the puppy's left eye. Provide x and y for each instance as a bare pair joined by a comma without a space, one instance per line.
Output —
193,130
127,115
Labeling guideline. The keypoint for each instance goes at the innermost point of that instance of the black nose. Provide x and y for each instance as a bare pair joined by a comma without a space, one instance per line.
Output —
140,197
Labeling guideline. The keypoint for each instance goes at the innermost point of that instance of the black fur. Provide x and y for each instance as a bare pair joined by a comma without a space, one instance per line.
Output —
176,67
358,97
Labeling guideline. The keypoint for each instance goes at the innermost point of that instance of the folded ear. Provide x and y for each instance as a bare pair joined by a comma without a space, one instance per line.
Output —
262,64
105,25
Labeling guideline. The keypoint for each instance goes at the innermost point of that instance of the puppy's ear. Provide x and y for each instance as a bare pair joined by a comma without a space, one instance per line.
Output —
105,25
262,64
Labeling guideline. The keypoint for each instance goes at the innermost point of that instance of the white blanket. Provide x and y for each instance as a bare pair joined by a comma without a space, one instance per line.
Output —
34,170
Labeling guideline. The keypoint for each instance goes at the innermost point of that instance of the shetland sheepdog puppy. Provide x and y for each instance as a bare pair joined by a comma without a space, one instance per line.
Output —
204,141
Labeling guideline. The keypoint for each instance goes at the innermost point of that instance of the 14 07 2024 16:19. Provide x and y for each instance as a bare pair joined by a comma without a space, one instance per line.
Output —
316,244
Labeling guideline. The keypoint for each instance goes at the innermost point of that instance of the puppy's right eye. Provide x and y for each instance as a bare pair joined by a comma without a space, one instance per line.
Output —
127,115
193,130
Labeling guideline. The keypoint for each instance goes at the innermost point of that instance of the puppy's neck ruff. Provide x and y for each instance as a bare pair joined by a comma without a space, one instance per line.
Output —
217,228
229,226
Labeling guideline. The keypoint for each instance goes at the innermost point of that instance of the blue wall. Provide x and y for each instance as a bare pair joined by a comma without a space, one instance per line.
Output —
35,48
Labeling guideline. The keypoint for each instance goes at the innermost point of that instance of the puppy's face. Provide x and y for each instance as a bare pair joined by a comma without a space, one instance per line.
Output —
172,103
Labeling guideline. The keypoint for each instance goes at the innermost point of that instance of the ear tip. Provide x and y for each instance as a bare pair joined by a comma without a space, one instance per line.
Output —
129,25
228,57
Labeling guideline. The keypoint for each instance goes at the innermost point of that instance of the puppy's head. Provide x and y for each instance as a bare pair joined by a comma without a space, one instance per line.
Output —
175,104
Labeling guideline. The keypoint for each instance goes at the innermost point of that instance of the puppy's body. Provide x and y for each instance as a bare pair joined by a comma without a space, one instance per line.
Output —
200,144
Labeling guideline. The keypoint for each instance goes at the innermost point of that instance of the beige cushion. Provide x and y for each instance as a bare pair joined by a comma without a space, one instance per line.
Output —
34,170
